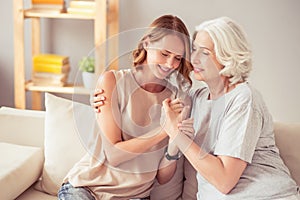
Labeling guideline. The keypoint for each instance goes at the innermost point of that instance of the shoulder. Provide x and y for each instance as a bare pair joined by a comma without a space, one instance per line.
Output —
242,94
246,93
113,75
108,74
107,78
245,97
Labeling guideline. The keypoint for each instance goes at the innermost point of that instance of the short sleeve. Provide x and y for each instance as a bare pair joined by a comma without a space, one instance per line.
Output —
239,132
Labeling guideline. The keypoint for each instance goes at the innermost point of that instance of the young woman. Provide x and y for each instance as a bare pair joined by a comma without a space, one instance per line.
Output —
234,151
130,152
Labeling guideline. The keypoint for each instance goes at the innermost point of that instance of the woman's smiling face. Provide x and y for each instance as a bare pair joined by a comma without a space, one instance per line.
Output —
165,55
206,66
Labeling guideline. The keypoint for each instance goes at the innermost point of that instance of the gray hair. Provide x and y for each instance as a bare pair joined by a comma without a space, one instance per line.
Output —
231,47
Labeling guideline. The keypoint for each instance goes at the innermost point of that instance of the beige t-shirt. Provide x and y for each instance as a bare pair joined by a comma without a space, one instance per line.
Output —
139,112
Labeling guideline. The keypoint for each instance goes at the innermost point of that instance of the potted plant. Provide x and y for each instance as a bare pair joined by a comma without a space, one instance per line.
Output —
87,66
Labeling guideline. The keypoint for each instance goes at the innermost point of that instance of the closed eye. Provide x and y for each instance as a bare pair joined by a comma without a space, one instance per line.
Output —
178,58
164,54
205,53
167,54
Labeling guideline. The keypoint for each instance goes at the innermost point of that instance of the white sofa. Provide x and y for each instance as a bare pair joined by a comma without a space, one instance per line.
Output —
37,148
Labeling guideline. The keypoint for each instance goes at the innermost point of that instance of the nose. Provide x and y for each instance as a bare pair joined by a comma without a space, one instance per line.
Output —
195,57
170,62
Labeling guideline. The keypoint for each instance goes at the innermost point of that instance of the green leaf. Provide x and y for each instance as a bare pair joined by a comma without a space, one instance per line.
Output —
87,64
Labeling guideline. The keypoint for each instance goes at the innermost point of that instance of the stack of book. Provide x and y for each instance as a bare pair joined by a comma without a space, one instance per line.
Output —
49,5
85,7
50,70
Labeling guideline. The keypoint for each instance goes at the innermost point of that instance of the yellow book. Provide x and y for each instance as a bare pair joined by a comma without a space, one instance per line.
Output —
60,2
51,59
51,68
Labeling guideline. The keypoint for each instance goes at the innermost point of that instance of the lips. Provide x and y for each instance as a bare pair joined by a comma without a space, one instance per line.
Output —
165,69
197,69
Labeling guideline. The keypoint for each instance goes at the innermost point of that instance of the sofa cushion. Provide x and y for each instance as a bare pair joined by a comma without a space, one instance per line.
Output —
65,120
31,122
287,137
33,194
20,167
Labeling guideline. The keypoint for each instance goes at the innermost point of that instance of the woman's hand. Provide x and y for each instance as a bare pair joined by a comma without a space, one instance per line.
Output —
187,127
172,117
176,105
98,100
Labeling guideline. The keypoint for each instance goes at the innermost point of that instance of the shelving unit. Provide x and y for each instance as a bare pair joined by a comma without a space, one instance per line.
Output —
106,24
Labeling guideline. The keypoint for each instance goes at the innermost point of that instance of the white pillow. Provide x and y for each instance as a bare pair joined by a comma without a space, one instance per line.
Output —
20,167
66,122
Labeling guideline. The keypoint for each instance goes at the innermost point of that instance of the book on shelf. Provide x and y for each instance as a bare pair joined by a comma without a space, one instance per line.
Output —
81,7
50,58
51,68
82,4
49,79
57,6
60,2
82,11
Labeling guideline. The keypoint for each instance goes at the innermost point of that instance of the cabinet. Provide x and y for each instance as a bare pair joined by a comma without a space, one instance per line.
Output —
106,24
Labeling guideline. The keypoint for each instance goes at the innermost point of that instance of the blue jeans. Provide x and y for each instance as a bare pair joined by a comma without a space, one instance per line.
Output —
68,192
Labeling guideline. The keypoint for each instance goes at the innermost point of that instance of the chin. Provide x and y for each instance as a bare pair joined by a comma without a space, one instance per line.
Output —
198,77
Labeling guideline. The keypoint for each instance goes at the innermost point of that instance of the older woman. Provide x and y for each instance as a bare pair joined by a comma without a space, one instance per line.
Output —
234,151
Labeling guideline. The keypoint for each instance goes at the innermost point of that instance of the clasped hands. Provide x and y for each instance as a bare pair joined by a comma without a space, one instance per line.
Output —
174,119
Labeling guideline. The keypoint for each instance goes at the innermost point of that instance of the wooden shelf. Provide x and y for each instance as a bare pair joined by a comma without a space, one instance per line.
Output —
106,23
30,13
68,89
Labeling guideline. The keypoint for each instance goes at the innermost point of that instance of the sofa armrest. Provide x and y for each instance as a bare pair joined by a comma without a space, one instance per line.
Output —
287,137
20,167
23,127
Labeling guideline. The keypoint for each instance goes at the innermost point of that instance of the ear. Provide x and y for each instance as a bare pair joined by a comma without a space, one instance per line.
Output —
146,43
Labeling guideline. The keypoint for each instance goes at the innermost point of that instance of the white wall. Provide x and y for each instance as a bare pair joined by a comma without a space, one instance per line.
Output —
273,28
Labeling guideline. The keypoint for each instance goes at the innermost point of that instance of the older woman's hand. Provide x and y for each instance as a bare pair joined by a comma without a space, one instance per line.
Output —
187,127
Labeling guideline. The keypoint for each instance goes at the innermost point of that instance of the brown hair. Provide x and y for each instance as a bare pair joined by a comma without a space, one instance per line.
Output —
160,27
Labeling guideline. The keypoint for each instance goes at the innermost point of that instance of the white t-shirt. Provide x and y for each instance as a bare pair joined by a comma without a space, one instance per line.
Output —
239,125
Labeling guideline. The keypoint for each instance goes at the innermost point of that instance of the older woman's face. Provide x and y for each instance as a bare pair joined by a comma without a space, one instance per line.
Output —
206,66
